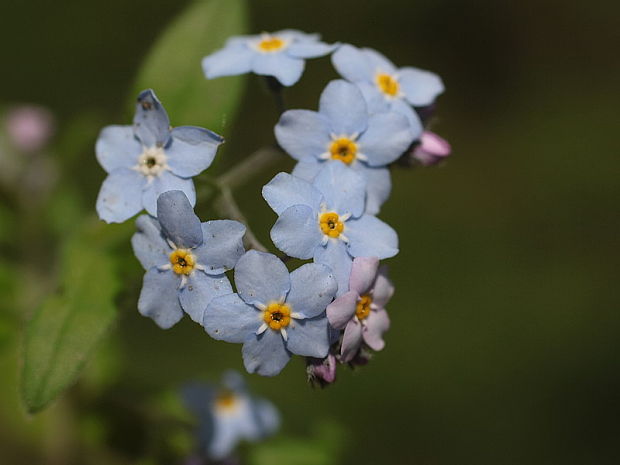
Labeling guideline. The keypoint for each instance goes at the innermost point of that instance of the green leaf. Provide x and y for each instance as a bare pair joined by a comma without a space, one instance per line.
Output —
173,68
63,334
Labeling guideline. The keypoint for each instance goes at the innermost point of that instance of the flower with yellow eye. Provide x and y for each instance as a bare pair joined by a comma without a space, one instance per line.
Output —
184,258
325,220
274,314
361,310
279,54
343,130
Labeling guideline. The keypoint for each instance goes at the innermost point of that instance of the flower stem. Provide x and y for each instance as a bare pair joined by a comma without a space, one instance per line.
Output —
276,89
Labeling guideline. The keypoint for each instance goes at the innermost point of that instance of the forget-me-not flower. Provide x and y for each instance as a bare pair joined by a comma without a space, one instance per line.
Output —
343,130
325,220
228,414
184,258
385,86
361,310
274,314
149,158
280,54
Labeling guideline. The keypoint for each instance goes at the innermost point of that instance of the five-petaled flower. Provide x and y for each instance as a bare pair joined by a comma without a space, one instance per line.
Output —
275,314
280,54
184,258
325,220
149,158
344,130
227,415
385,86
361,310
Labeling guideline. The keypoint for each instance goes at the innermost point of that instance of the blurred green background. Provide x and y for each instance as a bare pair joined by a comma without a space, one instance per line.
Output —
504,343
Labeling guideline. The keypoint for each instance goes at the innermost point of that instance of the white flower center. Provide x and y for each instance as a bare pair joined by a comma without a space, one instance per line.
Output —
152,162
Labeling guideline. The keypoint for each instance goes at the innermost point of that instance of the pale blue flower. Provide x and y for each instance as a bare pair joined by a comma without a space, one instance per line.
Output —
227,415
274,314
280,54
149,158
344,130
325,220
385,86
184,258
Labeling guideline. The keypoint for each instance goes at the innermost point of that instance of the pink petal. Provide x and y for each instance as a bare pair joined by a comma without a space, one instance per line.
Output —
384,289
377,323
341,310
433,144
363,274
351,341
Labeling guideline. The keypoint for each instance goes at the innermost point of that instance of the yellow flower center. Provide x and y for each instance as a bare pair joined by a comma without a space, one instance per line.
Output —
277,315
182,261
330,224
363,307
152,161
343,149
387,84
226,401
271,44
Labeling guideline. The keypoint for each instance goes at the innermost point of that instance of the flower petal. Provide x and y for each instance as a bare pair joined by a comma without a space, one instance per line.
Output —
343,106
149,244
261,278
284,68
310,49
386,139
341,310
151,123
303,133
334,254
378,62
344,189
420,87
351,340
378,186
307,168
178,220
120,196
384,289
352,64
267,417
232,60
200,290
265,354
159,298
296,232
228,318
286,190
313,287
309,337
223,245
166,181
117,147
192,150
363,274
371,237
377,323
402,107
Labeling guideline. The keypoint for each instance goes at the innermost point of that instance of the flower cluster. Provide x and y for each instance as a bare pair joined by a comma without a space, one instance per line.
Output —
330,310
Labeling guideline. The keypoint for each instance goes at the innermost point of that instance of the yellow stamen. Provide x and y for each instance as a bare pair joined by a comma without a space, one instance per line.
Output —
343,149
330,224
226,400
271,44
182,261
387,84
363,307
277,315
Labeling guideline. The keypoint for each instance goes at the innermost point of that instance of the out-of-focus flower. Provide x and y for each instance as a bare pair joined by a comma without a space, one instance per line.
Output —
361,311
280,54
325,220
432,149
185,260
321,371
343,130
275,314
227,415
29,127
384,85
149,158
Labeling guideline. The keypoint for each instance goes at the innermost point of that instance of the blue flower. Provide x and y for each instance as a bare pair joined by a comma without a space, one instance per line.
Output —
149,158
185,260
275,314
325,220
386,87
280,54
227,415
343,130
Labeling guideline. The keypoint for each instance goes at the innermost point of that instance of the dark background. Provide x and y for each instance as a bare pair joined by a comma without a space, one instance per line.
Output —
504,342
